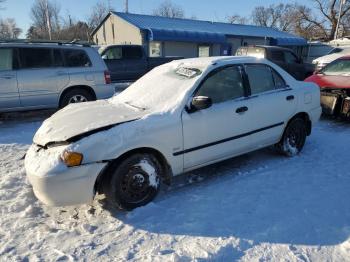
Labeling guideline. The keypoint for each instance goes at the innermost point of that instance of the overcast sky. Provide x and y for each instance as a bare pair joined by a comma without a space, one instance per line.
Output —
217,10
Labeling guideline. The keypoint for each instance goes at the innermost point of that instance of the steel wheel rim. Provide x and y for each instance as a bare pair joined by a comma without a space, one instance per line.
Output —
77,99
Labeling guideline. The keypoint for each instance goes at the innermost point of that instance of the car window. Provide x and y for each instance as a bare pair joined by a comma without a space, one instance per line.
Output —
335,50
260,78
225,84
338,67
132,52
290,58
277,55
35,57
113,53
279,81
6,59
57,58
76,58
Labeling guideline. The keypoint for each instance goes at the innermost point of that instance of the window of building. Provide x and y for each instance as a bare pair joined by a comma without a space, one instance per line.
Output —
5,59
104,32
203,51
35,57
155,49
225,84
113,33
76,58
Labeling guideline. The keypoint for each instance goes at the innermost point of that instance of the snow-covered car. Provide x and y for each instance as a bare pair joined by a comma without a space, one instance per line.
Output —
180,116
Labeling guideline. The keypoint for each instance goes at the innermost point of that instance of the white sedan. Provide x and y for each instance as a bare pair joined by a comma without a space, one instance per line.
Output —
180,116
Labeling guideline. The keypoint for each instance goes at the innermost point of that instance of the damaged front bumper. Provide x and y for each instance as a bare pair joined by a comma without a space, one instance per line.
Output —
335,102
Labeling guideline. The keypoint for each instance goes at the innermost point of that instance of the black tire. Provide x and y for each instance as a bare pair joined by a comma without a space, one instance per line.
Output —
130,185
68,97
293,138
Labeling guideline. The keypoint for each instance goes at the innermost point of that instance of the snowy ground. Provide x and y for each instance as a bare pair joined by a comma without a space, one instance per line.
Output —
258,207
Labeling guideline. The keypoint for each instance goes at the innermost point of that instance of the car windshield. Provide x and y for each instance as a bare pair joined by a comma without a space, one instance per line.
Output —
338,67
161,89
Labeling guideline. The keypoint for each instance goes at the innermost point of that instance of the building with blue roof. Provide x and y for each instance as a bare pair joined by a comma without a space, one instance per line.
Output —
162,36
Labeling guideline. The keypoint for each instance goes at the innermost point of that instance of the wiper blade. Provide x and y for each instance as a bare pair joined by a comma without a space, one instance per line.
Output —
137,107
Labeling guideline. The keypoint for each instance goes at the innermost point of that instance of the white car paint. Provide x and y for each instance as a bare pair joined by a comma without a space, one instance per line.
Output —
325,60
151,114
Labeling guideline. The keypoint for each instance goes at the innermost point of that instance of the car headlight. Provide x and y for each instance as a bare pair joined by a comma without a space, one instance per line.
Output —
72,158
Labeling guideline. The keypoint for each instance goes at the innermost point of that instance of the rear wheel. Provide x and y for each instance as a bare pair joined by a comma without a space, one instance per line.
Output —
294,137
76,95
133,182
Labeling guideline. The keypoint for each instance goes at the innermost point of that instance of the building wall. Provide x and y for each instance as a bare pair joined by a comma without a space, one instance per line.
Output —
124,32
187,50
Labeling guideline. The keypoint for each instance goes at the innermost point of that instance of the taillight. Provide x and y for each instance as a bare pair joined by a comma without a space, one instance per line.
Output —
107,77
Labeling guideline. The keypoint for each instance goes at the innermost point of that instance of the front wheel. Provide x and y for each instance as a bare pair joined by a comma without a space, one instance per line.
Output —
134,182
293,139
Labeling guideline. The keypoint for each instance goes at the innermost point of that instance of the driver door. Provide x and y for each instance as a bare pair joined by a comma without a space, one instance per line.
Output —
214,133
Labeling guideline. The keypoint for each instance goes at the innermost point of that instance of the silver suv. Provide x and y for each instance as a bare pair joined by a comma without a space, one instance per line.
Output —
50,75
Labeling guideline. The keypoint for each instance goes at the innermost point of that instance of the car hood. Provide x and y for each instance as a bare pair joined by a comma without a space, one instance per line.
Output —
80,120
329,81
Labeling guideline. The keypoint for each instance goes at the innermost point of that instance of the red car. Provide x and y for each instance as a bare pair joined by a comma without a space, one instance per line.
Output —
334,81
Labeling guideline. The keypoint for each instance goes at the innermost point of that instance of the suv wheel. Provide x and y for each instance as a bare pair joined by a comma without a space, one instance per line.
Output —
293,139
134,182
76,95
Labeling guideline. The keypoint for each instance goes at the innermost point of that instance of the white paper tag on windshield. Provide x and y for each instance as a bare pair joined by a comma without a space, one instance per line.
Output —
188,72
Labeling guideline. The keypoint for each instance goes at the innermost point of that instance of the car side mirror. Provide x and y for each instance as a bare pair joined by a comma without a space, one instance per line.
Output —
200,103
104,57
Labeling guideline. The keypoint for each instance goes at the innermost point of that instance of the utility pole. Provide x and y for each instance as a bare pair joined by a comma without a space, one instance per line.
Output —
342,2
126,6
48,21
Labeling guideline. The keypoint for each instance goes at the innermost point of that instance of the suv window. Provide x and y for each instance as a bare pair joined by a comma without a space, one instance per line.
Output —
76,58
113,53
277,55
57,58
6,58
35,57
225,84
132,52
290,58
260,78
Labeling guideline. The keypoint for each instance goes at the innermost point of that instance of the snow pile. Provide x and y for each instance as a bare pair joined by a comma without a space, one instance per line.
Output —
152,175
257,207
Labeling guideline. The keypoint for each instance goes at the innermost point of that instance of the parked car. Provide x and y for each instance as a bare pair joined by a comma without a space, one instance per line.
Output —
129,62
283,57
49,75
334,81
334,54
180,116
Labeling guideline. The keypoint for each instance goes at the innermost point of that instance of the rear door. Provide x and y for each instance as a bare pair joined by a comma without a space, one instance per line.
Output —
272,103
40,78
135,64
9,96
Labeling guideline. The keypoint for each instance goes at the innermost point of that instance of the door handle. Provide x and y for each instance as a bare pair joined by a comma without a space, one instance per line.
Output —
241,109
289,98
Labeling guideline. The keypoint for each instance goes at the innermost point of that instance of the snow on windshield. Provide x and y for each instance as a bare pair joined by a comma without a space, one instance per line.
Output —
162,89
339,67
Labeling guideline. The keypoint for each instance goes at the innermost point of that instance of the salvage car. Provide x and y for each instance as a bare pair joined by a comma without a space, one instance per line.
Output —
180,116
334,81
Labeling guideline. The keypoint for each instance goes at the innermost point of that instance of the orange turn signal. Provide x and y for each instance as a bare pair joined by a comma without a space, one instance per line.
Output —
72,158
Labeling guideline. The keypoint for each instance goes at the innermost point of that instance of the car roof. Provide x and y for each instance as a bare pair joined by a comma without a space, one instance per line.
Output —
269,47
50,45
202,62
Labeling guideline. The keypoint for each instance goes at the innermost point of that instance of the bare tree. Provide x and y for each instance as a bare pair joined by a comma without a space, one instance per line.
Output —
279,16
237,19
168,9
45,15
327,16
9,29
99,12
